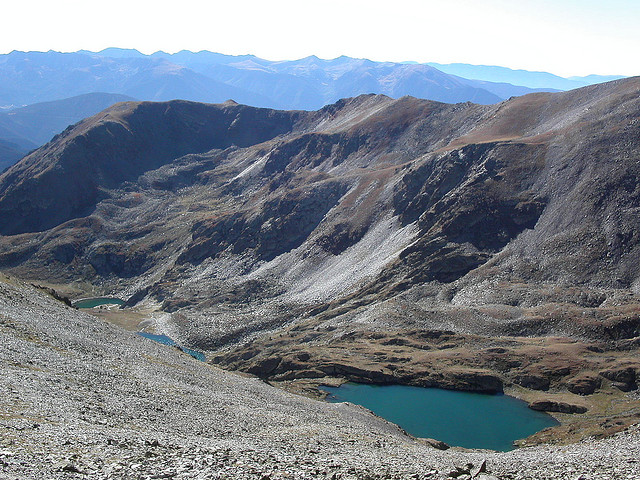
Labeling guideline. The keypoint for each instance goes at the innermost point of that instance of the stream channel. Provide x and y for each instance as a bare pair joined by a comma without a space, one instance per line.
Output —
163,339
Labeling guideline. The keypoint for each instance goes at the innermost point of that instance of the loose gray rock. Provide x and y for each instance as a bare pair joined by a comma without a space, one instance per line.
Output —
167,415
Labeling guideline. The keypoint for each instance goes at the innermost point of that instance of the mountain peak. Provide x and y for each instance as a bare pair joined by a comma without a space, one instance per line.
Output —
121,52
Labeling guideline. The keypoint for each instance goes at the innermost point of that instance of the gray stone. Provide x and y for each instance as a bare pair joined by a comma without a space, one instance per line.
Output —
481,468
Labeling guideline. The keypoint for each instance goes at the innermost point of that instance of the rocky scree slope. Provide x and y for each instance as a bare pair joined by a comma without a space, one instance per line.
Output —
363,234
85,399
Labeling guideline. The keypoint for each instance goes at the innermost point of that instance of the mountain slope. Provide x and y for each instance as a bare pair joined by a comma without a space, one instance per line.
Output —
83,397
117,146
541,131
407,241
39,122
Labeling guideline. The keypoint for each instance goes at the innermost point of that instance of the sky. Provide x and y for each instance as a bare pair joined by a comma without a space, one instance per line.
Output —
565,37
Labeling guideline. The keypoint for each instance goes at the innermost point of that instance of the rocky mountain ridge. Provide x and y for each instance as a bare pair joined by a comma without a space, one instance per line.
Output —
456,245
24,129
418,159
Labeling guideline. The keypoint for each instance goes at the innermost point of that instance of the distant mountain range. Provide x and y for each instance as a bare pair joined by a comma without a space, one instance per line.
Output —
525,78
305,84
33,77
311,82
27,78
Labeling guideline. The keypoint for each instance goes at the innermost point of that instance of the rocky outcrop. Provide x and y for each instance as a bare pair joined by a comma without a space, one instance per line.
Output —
623,377
534,382
281,225
304,365
436,443
556,406
113,259
584,384
471,380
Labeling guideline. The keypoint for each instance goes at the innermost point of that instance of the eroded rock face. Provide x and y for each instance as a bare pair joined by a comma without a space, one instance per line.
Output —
534,382
624,377
282,225
584,384
113,259
441,359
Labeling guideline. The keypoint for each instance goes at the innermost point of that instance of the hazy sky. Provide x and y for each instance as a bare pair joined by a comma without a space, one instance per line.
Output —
566,37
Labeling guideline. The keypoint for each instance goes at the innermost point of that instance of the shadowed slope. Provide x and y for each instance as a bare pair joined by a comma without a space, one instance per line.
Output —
66,177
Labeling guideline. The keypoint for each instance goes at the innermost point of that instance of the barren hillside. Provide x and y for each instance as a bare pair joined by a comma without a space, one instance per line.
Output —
407,241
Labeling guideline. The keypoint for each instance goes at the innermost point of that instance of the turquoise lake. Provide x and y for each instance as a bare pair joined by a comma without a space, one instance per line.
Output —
96,302
164,340
462,419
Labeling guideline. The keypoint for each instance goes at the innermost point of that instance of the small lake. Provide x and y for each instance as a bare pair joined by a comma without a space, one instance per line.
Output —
164,340
97,301
462,419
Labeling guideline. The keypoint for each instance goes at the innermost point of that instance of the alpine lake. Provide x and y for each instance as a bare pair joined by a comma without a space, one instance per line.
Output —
461,419
97,301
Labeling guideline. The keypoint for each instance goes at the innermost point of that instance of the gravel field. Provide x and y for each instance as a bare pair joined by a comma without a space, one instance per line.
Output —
82,398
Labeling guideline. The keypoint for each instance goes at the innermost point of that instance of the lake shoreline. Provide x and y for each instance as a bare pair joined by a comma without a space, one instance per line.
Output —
461,419
93,302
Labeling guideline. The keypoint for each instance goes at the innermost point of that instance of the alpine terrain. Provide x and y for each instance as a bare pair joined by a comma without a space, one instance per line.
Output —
489,248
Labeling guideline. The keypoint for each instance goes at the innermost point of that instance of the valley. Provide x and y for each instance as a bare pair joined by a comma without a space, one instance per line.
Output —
483,248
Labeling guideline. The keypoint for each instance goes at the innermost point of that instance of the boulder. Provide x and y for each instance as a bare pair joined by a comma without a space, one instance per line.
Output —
438,444
477,470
